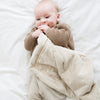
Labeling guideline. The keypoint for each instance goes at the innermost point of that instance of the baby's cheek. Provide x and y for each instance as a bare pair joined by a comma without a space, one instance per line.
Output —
51,24
38,24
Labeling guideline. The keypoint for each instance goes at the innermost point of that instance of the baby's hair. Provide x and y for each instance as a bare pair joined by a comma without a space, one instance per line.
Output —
51,1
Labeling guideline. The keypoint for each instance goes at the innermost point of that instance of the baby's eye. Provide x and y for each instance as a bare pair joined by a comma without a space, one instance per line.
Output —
47,17
38,19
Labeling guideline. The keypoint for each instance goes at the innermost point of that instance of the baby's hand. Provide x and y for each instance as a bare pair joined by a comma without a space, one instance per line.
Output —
36,33
43,27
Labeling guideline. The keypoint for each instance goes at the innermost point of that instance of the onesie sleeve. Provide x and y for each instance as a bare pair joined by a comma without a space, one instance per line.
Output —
29,41
61,35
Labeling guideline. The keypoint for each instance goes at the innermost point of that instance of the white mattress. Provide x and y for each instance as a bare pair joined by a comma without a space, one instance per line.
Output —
16,18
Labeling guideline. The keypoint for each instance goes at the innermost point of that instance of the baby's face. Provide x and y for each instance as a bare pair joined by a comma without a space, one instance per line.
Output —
46,14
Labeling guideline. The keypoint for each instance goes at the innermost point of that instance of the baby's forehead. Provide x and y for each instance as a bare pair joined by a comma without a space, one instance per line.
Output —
42,13
44,8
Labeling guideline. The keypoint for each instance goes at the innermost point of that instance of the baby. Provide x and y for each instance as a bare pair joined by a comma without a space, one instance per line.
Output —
47,22
58,72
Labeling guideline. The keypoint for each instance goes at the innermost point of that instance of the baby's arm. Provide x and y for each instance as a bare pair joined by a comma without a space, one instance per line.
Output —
31,40
61,35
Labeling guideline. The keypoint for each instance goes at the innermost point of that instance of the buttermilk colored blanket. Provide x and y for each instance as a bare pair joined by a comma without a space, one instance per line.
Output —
60,73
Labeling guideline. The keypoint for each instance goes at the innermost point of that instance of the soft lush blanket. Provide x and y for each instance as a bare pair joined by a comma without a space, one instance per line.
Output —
59,73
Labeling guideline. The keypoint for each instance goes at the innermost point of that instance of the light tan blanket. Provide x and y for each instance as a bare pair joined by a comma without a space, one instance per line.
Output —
59,73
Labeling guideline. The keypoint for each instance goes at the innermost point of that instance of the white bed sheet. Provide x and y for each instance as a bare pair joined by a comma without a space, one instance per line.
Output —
16,18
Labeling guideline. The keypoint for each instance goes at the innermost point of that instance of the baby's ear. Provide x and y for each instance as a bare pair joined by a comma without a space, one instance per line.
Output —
58,17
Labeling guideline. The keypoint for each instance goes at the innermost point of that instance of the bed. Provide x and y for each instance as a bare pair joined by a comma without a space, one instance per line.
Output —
16,19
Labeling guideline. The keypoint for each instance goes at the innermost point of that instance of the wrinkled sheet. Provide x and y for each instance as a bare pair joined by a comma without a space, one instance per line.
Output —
16,19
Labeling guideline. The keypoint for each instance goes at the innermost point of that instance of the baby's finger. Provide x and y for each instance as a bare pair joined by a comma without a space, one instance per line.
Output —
42,29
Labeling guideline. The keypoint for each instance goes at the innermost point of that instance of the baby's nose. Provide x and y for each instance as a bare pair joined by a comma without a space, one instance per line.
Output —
43,21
